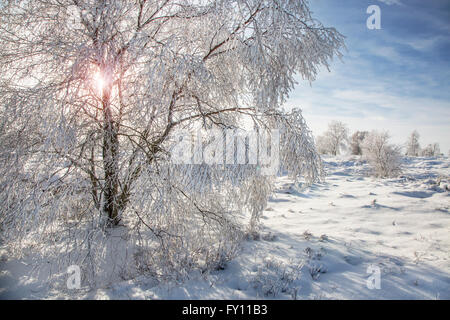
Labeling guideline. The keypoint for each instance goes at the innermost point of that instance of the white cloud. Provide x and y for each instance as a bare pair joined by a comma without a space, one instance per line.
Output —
389,53
391,2
423,44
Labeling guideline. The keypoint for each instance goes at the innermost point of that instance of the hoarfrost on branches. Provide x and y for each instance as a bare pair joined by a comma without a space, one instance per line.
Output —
93,95
383,157
334,139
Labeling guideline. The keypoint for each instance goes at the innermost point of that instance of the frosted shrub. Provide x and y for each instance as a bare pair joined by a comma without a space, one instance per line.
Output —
432,150
275,277
323,145
384,158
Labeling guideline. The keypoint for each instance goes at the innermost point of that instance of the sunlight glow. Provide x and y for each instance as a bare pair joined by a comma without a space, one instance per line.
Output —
99,82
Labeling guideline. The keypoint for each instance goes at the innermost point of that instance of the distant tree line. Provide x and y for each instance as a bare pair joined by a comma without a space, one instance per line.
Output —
374,146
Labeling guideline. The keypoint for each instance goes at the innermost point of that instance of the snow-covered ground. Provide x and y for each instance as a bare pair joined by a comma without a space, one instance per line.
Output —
324,242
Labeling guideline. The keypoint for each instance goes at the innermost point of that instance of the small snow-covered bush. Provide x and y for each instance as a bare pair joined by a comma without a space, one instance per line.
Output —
315,270
384,158
432,150
323,145
276,277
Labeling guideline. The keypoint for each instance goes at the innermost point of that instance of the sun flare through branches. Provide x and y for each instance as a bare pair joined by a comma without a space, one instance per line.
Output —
98,83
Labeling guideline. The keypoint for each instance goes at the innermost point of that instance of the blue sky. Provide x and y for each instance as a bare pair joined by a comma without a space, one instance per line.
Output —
395,79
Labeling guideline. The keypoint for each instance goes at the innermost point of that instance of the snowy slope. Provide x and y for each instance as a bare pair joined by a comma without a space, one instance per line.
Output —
318,243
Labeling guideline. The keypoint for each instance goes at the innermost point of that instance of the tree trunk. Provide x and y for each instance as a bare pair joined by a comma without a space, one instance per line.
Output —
110,162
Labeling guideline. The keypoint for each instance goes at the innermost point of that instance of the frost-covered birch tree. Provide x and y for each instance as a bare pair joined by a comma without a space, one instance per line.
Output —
412,145
93,95
334,139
